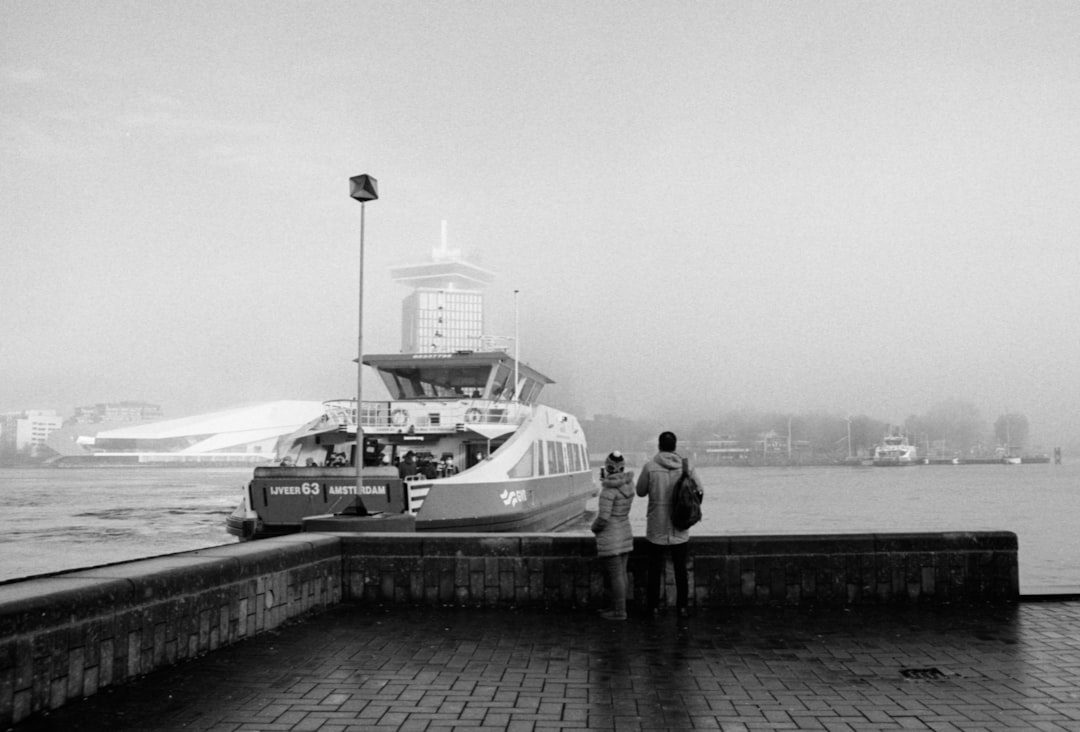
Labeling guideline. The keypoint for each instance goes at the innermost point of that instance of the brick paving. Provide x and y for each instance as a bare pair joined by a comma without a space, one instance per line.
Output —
423,669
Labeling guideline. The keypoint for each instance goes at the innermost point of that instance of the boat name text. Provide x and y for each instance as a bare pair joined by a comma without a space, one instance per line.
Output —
315,489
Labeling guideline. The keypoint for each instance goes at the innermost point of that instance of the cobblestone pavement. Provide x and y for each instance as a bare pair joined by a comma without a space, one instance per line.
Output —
1015,668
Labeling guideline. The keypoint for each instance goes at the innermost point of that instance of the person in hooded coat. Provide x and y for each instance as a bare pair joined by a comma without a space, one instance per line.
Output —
657,481
614,537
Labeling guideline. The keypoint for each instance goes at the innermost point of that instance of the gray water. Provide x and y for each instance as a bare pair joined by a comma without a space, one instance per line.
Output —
53,520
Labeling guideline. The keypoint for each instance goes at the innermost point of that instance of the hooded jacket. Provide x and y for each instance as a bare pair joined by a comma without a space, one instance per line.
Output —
612,525
657,481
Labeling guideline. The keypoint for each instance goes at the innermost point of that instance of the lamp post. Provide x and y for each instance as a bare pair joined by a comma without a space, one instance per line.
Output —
362,188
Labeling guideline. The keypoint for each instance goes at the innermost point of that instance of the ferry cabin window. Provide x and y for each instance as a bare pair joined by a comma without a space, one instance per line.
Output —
435,383
556,458
541,463
524,467
502,383
399,385
575,458
530,391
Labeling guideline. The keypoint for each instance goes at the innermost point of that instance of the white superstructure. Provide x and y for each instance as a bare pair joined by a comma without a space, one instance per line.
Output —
895,451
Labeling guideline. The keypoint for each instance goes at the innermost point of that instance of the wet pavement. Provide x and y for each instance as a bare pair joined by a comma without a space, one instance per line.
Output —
353,668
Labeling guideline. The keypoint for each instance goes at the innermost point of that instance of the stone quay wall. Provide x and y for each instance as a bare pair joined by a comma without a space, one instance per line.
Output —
560,570
67,636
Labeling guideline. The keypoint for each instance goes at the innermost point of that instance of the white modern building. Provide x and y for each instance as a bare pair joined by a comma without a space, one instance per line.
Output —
241,435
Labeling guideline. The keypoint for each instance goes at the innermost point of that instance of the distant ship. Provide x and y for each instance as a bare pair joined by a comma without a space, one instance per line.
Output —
895,451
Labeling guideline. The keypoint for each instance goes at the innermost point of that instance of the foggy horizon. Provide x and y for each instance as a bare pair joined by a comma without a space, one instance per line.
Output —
840,207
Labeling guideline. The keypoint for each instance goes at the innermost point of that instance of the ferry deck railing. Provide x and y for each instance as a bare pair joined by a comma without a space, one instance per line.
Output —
430,417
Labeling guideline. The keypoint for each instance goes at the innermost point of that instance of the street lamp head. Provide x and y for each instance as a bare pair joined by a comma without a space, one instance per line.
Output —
363,188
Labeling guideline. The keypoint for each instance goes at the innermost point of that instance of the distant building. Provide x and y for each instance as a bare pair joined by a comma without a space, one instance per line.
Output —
726,448
118,412
445,311
769,447
26,432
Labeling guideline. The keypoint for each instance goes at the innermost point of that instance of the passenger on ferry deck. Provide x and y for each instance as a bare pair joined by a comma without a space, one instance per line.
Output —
429,469
448,467
407,467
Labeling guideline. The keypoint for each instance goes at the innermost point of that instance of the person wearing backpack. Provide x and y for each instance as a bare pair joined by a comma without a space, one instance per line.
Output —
657,481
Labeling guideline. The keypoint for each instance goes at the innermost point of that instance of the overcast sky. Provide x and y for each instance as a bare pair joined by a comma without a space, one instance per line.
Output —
858,207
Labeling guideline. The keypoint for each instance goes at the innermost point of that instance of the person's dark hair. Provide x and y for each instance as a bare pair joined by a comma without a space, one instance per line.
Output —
668,441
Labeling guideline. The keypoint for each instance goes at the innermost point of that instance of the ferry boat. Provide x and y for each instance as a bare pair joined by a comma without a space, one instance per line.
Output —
895,451
461,445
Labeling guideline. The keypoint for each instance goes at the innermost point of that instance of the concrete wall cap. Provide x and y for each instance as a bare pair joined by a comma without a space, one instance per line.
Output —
47,601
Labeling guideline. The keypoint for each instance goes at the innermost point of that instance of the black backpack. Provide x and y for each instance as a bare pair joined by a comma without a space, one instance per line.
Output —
686,500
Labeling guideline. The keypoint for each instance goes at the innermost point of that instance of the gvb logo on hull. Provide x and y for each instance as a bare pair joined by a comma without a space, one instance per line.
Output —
512,498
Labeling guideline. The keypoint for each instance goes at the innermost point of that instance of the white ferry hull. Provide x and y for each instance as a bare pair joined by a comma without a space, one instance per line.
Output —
537,504
895,462
523,466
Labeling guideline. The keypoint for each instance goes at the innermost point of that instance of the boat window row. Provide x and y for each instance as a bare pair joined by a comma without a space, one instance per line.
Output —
547,457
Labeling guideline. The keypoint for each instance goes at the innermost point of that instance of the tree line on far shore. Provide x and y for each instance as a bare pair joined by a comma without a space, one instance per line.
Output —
952,428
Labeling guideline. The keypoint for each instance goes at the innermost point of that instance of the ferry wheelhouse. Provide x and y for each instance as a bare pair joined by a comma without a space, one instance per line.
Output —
461,445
